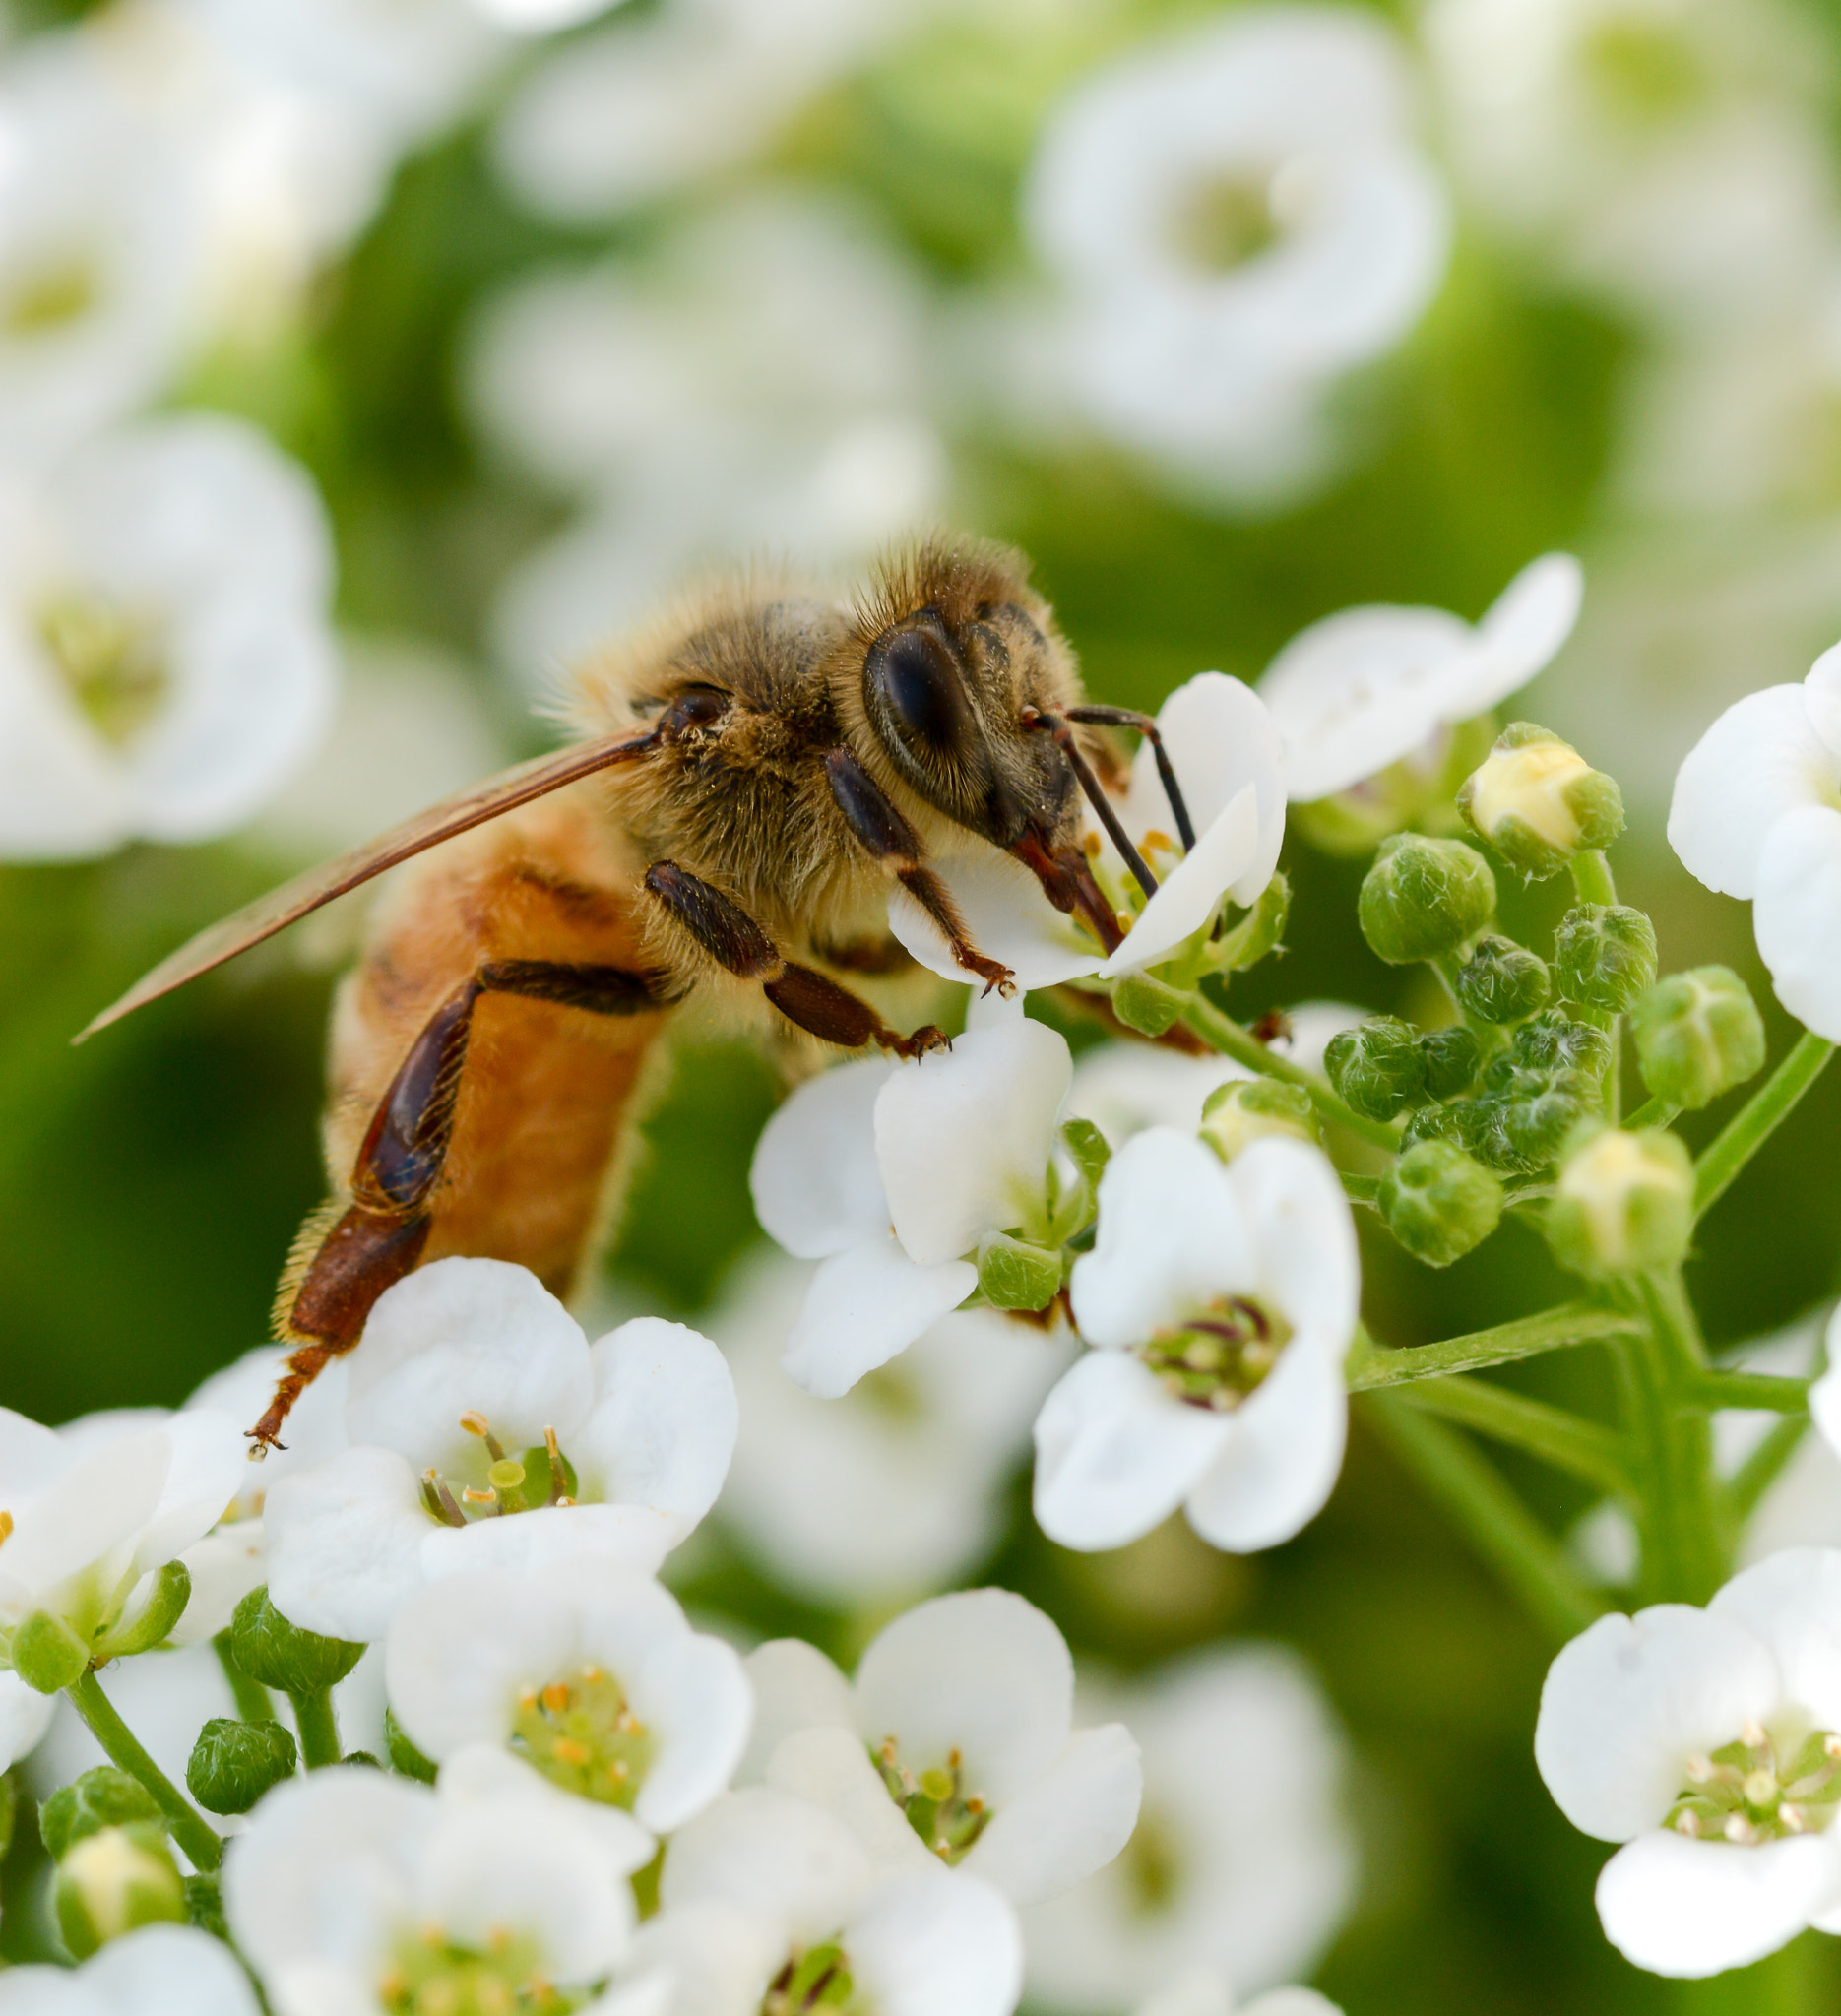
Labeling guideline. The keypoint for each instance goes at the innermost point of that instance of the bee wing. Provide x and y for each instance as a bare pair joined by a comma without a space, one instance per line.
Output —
318,886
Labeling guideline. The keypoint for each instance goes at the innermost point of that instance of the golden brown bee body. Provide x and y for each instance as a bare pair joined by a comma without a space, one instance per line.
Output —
753,776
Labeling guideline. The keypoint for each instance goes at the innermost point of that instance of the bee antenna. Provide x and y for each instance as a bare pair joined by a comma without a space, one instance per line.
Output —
1143,724
1056,726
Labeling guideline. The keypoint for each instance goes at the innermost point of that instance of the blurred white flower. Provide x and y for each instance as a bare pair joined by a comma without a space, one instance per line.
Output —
1221,1302
25,1717
955,1742
1669,153
1757,814
1242,1864
357,1891
586,1669
1367,686
1123,1087
893,1174
1205,1992
766,1890
1705,1742
896,1486
473,1393
158,1970
166,659
1236,219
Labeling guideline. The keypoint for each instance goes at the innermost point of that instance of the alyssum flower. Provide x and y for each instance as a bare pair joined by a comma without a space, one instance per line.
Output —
955,1742
1222,1302
158,1970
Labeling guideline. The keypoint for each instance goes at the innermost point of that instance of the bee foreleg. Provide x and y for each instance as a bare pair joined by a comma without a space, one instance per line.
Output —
890,840
803,995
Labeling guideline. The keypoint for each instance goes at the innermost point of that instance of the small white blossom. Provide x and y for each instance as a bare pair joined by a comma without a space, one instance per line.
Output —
1206,1994
1369,686
1243,1864
470,1369
1704,1740
360,1892
585,1668
1222,1302
158,1970
1757,814
165,656
960,1719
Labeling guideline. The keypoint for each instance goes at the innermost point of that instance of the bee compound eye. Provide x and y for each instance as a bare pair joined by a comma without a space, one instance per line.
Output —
920,687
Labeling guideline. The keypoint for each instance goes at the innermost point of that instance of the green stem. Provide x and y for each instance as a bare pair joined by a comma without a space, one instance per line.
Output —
251,1696
319,1728
1372,1364
1684,1546
1592,879
1653,1112
1552,1435
1749,1128
1760,1390
1359,1189
1222,1032
1497,1525
123,1749
1763,1467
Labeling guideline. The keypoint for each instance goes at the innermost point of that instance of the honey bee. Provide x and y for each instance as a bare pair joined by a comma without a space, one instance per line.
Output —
753,775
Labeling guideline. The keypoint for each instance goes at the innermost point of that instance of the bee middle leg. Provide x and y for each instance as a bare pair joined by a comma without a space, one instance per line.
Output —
802,994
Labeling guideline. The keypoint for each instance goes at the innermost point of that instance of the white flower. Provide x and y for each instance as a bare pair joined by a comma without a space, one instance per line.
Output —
91,1511
896,1486
585,1668
357,1891
1222,1301
1236,217
1224,749
960,1720
1364,688
158,1970
1204,1993
1123,1087
1242,1864
1756,813
891,1175
1704,1741
166,659
764,1883
468,1371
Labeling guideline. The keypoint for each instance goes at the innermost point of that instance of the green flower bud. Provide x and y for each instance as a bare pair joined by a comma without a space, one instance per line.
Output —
1378,1067
1623,1202
1538,802
112,1882
1424,898
1552,1041
100,1798
48,1654
277,1654
405,1757
170,1592
1014,1275
1236,1114
233,1763
1439,1203
1697,1035
1525,1115
1143,1002
204,1904
1604,955
1503,981
1452,1058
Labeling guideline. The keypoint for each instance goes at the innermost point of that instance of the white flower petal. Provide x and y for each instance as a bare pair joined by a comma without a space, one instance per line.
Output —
773,1856
1632,1699
1220,736
459,1652
831,1768
1796,916
718,1958
225,1566
796,1686
936,1943
1282,1456
635,1536
89,1518
694,1696
1692,1908
1760,759
1074,1819
1123,1087
1790,1603
814,1178
344,1543
1825,1397
167,1971
25,1716
1115,1454
1298,1218
1822,698
1008,919
863,1306
1222,857
210,1460
663,1424
1520,632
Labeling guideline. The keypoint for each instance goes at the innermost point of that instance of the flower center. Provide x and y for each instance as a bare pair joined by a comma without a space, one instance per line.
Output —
1226,221
581,1734
430,1975
935,1803
818,1978
112,658
1151,1864
50,296
1759,1790
1644,74
541,1476
1219,1355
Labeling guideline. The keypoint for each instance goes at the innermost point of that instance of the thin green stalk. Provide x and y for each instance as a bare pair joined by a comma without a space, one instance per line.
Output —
1763,1467
1591,878
1222,1032
251,1696
1761,1390
123,1749
1372,1364
1751,1126
1555,1436
1683,1545
319,1728
1497,1525
1653,1112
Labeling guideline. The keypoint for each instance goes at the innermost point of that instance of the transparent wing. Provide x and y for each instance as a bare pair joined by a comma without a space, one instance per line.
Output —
318,886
